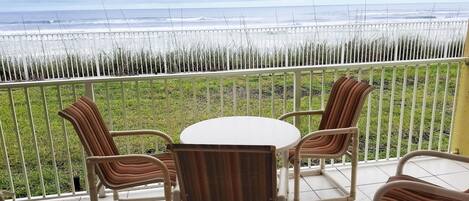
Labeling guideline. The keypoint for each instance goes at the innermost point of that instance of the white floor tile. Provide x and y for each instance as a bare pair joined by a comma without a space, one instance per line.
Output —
458,180
361,196
466,165
367,175
370,189
146,193
409,169
67,199
437,181
319,182
107,198
329,193
338,176
308,196
304,187
440,166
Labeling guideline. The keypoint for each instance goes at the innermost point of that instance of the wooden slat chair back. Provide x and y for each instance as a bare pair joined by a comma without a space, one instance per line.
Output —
342,111
225,172
93,133
116,171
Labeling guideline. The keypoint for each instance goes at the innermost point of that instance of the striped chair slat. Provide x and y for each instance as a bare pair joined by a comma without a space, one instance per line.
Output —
225,172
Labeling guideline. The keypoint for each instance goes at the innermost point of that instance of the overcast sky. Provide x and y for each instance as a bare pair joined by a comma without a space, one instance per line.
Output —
34,5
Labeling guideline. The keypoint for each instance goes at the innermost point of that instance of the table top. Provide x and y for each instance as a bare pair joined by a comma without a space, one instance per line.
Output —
242,130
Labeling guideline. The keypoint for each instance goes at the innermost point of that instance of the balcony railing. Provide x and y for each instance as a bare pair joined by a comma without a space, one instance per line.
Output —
411,108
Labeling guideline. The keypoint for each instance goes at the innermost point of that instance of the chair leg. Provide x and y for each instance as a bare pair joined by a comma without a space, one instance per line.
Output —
296,171
115,195
168,194
353,184
101,192
322,164
93,191
176,195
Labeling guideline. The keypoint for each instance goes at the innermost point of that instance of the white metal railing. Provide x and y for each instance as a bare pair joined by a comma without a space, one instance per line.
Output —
70,55
411,108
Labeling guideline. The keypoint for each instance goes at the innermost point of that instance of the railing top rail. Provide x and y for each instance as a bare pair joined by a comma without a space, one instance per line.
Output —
102,79
202,29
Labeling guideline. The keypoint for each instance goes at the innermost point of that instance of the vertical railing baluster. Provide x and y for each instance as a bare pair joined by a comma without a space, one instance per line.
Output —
235,97
296,96
424,105
391,112
18,141
259,94
208,96
443,108
66,139
7,160
380,110
323,89
248,95
402,111
435,100
284,93
36,146
272,95
222,101
124,114
368,117
51,140
412,112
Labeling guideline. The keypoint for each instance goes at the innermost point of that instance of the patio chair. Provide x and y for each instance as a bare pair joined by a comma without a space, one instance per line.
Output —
117,171
225,172
407,188
337,131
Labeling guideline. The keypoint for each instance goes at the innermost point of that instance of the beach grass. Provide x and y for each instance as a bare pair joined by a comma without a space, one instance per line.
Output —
125,61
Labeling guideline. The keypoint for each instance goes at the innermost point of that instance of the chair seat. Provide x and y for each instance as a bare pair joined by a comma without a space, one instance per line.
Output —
324,145
400,194
142,172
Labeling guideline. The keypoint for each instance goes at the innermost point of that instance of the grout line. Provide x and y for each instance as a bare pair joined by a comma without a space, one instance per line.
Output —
370,198
434,174
436,177
382,171
310,187
420,168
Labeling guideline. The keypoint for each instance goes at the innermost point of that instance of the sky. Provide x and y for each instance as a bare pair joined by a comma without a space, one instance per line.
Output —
40,5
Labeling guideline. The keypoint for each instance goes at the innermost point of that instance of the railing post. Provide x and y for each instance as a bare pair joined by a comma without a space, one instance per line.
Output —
296,96
460,135
89,90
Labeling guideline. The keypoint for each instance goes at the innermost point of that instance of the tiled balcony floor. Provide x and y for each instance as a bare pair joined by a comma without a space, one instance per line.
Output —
371,176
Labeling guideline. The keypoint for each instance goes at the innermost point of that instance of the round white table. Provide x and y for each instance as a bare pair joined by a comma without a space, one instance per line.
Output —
246,130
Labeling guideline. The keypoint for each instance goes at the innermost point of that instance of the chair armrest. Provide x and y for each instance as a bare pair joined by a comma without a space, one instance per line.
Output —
419,187
301,113
161,134
407,157
326,132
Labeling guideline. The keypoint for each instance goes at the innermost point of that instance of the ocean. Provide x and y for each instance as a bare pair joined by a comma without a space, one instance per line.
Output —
197,18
